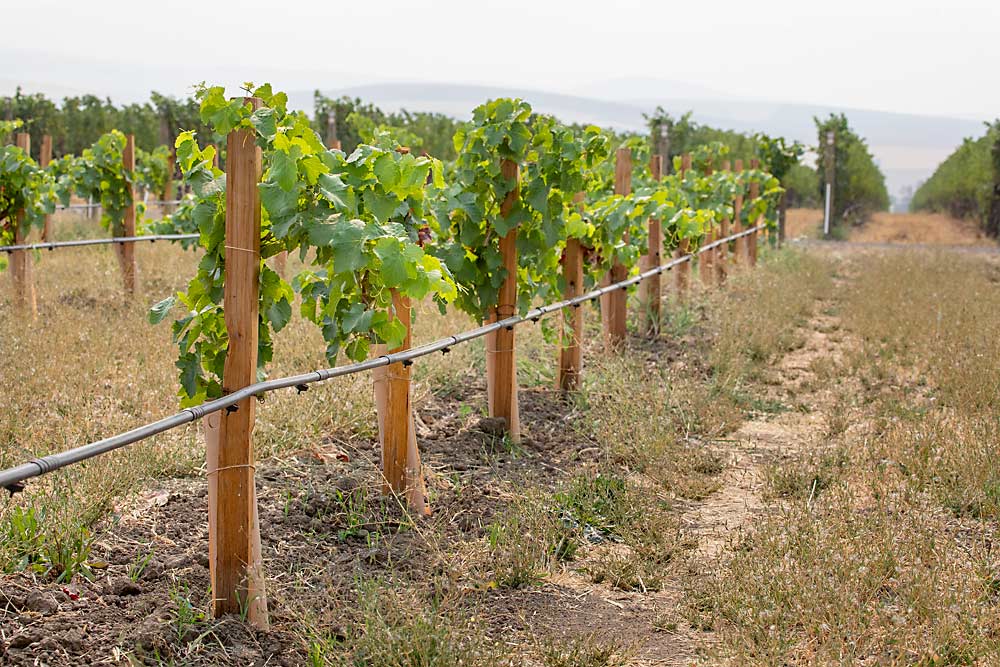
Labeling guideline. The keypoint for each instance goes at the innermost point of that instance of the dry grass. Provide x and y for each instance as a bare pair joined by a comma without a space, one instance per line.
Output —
760,317
804,223
879,551
927,228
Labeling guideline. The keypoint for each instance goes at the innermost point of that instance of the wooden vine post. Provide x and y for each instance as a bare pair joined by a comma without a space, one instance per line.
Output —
740,245
571,350
706,260
682,274
331,131
234,531
126,251
401,467
501,365
168,187
752,238
722,252
44,157
614,305
20,260
649,290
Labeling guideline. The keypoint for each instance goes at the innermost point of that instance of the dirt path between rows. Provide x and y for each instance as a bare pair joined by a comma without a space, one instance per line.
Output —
794,429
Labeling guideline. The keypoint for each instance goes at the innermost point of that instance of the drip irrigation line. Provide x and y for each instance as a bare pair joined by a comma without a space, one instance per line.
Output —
13,478
154,202
152,238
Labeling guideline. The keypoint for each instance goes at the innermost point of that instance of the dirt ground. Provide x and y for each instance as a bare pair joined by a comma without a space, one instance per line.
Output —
916,228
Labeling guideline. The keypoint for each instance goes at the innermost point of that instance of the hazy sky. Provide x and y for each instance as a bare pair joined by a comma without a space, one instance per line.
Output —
914,55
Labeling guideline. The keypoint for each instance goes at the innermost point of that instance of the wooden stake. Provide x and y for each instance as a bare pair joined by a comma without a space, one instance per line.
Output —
331,131
502,368
237,576
126,251
706,260
20,260
740,245
752,239
571,351
682,274
401,465
44,157
614,305
722,252
168,188
649,289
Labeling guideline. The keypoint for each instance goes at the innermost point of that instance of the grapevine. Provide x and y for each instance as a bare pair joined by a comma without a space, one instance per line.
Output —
26,191
99,174
361,216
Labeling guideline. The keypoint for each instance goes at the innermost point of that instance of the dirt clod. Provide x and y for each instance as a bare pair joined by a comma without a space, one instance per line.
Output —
42,602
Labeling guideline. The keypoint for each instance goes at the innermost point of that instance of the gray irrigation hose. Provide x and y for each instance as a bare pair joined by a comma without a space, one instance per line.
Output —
13,477
152,238
155,202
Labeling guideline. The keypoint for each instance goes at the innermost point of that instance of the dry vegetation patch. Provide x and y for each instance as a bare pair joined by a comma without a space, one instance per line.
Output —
878,547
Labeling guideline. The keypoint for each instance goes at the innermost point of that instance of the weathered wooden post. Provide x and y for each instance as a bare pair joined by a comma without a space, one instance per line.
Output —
722,252
614,305
126,250
501,367
571,339
682,274
44,157
401,466
20,260
234,531
331,130
752,239
740,254
706,260
649,290
168,188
